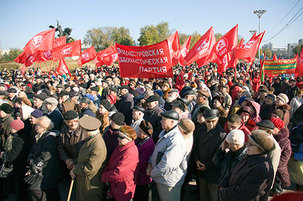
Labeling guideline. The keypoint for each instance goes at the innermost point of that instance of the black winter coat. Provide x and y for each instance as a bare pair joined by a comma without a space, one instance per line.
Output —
207,145
250,179
45,151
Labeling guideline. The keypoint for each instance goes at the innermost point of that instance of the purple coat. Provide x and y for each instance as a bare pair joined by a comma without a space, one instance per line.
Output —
145,149
284,142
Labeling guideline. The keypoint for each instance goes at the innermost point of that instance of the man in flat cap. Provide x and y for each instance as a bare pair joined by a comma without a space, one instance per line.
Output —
38,102
152,114
168,161
53,112
202,100
70,140
105,89
125,104
208,142
12,95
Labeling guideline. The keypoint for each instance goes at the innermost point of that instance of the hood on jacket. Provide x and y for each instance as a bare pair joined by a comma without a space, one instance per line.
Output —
256,107
283,133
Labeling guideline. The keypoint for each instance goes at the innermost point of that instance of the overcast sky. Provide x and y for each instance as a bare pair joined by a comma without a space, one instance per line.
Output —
22,19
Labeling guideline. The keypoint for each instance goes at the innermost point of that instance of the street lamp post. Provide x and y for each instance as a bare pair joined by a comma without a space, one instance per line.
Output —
259,13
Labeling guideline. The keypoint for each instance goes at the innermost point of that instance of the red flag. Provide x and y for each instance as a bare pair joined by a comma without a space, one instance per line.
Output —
299,68
62,68
22,69
41,56
221,50
174,48
151,61
67,50
26,59
274,57
59,41
106,57
184,50
247,51
202,48
87,55
42,41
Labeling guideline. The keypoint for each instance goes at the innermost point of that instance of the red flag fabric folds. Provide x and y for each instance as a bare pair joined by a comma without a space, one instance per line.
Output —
151,61
248,50
202,48
274,57
67,50
221,50
42,41
62,68
107,56
59,41
41,56
299,68
26,59
184,50
174,48
87,55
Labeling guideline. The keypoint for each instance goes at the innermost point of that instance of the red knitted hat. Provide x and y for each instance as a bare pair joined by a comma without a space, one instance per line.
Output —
17,124
277,122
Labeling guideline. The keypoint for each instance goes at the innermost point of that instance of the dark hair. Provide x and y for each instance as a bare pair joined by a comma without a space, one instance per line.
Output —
234,118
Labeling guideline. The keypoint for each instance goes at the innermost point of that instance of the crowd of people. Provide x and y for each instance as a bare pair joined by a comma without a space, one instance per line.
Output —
119,138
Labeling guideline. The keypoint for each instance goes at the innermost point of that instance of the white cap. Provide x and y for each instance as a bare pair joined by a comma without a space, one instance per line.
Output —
235,137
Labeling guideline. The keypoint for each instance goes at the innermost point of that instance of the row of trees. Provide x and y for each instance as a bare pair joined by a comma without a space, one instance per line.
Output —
104,37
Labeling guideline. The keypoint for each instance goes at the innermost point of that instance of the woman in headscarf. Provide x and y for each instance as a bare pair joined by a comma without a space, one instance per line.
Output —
120,171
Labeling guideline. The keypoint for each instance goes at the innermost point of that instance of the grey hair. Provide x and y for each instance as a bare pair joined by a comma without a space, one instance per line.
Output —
45,122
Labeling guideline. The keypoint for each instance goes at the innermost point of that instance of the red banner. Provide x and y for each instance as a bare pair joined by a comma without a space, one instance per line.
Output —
67,50
107,56
151,61
42,56
87,55
42,41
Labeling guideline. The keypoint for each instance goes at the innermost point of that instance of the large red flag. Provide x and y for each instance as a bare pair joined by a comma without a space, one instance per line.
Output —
26,59
87,55
174,48
59,41
62,68
151,61
247,51
184,50
67,50
107,56
299,68
202,48
221,50
42,41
